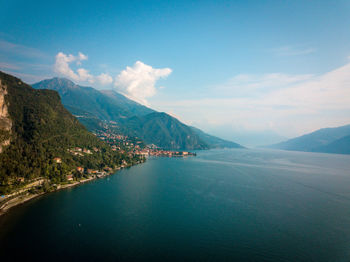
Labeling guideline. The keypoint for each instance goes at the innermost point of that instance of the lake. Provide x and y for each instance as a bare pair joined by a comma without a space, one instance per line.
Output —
223,205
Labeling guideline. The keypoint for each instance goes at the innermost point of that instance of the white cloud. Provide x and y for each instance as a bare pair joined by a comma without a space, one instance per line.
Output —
62,67
84,75
328,91
10,66
82,57
248,84
293,51
25,62
21,50
104,79
138,82
287,104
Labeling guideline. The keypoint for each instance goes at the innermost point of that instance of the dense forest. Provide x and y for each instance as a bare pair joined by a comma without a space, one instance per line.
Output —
42,130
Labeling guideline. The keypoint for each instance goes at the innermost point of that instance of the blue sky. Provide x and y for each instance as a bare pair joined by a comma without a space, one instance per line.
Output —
233,68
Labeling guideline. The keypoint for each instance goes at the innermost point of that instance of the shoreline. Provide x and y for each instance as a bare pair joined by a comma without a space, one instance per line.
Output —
23,198
17,201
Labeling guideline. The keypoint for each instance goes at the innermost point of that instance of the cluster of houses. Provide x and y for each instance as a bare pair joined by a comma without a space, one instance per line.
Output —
90,172
77,151
159,152
123,145
97,173
118,141
109,136
105,135
131,149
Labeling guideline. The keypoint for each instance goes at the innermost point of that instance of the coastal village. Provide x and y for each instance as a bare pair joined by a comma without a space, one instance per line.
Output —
132,147
28,189
135,146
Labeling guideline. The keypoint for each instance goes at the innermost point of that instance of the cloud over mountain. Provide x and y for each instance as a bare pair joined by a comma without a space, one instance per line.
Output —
63,68
104,79
138,82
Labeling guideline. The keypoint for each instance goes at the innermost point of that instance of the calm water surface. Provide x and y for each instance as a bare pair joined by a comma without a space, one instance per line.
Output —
223,205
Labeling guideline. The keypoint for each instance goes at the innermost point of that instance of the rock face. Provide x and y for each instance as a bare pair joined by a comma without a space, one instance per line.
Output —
5,121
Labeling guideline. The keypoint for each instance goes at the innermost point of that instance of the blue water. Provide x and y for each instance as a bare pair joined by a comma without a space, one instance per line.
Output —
223,205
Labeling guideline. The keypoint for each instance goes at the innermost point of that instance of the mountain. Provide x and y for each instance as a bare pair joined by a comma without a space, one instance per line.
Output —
168,132
87,99
215,142
339,146
35,129
328,140
133,107
97,108
256,138
164,131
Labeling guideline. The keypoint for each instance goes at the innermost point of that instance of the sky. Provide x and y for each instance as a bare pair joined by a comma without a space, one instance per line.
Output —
250,71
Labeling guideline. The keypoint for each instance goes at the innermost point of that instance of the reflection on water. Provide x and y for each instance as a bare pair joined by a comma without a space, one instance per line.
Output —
223,205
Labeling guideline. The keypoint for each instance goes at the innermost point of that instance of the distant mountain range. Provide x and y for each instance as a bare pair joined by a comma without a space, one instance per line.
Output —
95,108
326,140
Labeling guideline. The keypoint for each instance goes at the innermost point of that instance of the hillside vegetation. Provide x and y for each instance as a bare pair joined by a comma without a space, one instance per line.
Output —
42,129
96,108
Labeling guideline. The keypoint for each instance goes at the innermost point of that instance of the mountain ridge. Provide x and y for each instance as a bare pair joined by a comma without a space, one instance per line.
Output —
317,141
132,118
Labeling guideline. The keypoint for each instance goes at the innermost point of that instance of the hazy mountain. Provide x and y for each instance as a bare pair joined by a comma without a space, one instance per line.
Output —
339,146
92,106
215,142
35,128
323,140
251,138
